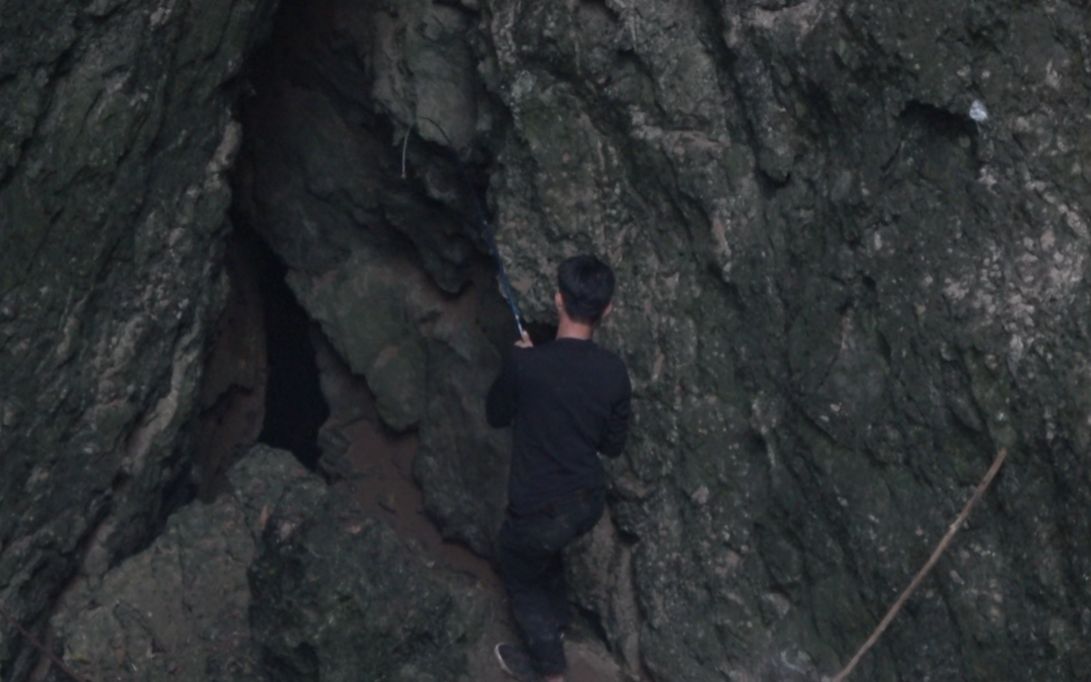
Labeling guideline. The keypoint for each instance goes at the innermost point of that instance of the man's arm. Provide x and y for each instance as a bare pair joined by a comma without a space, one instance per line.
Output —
500,403
613,438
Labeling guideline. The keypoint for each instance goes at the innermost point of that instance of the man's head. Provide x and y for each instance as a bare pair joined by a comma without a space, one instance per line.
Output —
585,286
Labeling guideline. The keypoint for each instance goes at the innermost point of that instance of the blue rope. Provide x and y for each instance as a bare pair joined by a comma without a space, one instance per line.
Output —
487,232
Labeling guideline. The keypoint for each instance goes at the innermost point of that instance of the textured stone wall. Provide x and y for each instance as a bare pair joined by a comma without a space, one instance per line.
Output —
852,247
115,139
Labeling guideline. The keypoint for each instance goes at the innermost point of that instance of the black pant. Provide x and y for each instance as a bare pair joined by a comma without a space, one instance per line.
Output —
529,550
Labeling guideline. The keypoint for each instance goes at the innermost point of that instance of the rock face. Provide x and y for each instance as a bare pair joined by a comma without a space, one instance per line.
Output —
387,264
339,597
282,579
180,609
852,248
116,137
851,240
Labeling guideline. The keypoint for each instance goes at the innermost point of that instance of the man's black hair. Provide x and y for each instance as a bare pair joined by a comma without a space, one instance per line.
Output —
586,285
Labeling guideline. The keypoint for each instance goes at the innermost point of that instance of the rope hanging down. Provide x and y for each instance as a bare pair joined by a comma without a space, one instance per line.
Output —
486,229
501,274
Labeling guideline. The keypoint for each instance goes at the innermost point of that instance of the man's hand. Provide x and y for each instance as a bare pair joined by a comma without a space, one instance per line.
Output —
524,342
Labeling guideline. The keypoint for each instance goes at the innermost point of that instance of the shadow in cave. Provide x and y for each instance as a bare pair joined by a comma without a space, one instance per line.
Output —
260,380
295,408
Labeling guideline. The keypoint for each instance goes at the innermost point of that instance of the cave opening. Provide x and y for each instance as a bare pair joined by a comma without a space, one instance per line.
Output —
261,378
295,407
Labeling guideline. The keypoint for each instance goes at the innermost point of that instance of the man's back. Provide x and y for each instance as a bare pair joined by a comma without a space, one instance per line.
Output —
568,400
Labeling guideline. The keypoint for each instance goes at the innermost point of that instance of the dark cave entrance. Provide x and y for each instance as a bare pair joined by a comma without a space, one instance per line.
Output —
261,379
295,408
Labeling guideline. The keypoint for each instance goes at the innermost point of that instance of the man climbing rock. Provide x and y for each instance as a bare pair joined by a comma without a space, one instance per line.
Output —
568,401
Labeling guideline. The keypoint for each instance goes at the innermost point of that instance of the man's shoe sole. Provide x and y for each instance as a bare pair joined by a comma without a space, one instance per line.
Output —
522,673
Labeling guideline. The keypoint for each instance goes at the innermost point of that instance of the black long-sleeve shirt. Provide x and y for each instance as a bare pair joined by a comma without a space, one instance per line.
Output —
567,400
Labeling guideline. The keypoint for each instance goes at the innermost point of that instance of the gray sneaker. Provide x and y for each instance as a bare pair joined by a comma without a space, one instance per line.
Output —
515,662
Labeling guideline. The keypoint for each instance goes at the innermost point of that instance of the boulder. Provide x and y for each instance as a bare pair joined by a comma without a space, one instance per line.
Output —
282,578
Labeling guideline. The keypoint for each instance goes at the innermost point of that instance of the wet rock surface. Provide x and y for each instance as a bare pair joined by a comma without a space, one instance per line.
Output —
852,248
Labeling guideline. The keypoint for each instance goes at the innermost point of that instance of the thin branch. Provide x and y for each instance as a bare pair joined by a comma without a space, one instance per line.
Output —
923,573
405,146
33,641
